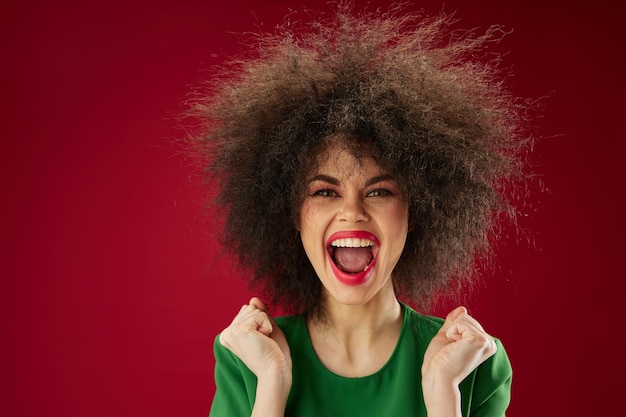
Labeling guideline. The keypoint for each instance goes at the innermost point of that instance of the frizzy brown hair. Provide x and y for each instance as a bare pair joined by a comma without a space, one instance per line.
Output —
423,100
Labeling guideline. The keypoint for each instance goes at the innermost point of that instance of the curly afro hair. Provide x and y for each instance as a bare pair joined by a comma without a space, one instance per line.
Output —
425,101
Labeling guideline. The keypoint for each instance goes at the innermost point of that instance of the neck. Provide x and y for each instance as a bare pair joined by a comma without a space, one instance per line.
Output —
357,340
364,322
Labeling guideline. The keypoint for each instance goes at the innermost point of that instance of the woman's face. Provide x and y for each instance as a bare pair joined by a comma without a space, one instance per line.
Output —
353,225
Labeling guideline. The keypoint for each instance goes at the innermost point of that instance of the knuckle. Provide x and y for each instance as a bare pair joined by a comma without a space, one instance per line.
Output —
487,345
481,341
225,338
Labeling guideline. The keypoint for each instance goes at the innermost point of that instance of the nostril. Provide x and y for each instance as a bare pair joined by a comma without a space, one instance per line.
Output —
353,213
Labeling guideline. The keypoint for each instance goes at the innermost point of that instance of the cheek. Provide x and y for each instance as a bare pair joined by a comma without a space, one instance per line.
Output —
399,227
304,216
300,211
306,227
302,219
399,216
313,217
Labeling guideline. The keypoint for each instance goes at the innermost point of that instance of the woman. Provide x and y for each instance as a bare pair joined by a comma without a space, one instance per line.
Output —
360,163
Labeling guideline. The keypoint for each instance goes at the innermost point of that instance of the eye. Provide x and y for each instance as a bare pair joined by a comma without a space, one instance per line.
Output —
380,192
324,193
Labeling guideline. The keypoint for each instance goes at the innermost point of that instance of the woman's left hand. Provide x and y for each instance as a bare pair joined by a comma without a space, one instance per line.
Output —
456,350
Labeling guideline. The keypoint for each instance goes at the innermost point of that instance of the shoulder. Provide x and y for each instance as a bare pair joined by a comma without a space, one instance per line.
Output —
487,390
423,326
294,327
497,367
288,323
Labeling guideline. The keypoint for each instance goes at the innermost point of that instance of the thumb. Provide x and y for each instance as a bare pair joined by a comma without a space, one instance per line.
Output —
275,332
453,316
267,325
256,302
451,327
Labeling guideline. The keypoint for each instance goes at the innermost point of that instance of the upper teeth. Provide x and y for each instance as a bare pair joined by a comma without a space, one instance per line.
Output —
352,243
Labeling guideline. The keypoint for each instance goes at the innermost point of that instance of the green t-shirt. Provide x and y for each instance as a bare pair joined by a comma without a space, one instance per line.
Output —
394,390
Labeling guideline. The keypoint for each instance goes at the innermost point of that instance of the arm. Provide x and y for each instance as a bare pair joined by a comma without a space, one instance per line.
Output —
487,391
235,385
253,366
459,347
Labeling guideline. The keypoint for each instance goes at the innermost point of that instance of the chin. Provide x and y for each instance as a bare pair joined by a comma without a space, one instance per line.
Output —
352,294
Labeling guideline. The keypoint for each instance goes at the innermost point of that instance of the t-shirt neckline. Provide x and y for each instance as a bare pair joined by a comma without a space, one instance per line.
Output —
318,363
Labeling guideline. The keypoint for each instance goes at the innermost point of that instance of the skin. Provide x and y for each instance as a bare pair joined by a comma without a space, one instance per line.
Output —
363,324
347,197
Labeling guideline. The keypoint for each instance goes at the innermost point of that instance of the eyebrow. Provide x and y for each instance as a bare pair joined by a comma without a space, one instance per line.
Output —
325,178
335,181
379,178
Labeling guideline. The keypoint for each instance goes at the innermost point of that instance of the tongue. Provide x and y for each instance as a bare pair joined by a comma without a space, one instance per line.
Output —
352,260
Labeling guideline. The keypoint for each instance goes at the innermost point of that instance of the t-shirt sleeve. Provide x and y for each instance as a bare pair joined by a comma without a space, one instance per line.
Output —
235,385
487,392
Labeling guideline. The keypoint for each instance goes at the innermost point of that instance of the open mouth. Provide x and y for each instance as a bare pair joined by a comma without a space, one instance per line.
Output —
352,255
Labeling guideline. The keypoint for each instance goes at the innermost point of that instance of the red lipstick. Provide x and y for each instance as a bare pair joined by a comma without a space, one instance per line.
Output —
346,278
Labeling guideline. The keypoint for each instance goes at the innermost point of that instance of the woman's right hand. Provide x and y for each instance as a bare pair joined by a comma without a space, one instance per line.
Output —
255,338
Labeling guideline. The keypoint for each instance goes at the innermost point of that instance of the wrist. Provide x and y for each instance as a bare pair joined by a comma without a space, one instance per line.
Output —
442,397
276,384
272,392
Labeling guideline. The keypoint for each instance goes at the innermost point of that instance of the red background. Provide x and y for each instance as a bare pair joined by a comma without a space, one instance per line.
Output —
110,293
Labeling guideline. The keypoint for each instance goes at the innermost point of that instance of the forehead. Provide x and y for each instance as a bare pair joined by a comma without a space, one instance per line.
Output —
343,159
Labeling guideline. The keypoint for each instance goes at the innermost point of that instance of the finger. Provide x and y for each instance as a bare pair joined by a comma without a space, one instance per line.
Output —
251,317
276,333
459,322
469,321
253,305
245,312
243,309
454,314
466,327
451,317
256,302
247,309
263,322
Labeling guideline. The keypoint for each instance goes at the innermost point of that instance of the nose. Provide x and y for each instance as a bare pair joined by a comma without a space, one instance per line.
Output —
352,210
